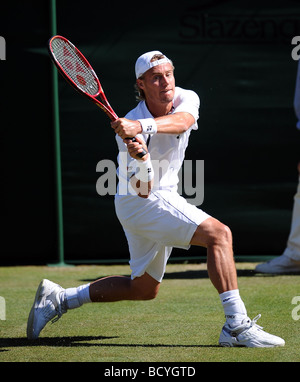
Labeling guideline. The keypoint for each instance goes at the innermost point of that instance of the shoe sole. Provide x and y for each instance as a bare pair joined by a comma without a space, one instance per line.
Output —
227,345
234,345
30,321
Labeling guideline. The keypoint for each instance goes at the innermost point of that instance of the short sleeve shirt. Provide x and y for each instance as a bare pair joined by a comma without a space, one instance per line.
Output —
167,150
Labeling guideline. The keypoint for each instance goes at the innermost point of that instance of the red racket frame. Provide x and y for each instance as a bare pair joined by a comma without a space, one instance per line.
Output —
104,105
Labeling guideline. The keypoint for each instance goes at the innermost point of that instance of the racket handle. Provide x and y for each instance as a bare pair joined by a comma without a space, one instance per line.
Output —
143,153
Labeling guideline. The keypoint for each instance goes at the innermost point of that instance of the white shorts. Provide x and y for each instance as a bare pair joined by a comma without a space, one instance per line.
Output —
155,225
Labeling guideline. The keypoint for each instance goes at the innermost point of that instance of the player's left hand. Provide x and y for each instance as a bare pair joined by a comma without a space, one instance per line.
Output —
126,128
135,148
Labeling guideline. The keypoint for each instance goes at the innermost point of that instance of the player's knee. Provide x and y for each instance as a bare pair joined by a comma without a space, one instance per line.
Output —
226,234
220,234
212,232
150,295
145,288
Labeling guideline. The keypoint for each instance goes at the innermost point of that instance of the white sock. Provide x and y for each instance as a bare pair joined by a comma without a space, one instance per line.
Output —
75,297
234,308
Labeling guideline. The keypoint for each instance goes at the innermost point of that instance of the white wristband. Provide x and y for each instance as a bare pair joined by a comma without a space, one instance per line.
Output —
148,125
145,170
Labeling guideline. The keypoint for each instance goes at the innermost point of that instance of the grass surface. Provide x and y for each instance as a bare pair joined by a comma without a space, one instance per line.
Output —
181,325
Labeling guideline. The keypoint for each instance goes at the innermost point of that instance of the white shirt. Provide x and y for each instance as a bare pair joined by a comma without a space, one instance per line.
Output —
167,151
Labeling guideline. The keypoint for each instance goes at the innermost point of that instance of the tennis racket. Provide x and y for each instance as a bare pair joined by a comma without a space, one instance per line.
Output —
76,69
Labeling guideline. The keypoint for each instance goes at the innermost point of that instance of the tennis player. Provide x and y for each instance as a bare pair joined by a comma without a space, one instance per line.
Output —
155,218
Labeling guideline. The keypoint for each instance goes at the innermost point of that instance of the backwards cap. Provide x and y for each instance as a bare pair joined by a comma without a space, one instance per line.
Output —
143,63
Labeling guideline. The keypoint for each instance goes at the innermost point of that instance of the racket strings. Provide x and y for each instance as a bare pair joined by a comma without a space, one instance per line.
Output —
75,67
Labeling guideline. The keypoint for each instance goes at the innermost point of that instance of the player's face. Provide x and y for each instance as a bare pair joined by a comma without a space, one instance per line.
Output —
158,84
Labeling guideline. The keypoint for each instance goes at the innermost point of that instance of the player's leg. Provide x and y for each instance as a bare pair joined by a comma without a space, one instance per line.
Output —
217,238
148,260
52,300
116,288
238,330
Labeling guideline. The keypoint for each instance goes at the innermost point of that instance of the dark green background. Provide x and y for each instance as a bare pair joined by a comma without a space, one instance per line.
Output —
235,54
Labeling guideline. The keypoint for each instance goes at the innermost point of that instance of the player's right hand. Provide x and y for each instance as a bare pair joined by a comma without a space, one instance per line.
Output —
126,128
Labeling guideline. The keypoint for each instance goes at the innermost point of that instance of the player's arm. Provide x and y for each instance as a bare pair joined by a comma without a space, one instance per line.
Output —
176,123
142,180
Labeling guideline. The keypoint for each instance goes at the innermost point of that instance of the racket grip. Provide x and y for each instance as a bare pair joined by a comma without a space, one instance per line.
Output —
143,153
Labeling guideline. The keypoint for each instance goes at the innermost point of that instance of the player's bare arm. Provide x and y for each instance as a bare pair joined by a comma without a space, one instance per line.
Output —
143,189
176,123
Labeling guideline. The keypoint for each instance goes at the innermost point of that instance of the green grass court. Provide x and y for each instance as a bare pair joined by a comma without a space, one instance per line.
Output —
181,325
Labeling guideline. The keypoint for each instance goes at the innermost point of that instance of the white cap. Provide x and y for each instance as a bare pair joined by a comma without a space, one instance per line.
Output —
143,63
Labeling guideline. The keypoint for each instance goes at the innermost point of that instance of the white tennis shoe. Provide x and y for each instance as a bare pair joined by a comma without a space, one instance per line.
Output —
248,334
47,305
279,265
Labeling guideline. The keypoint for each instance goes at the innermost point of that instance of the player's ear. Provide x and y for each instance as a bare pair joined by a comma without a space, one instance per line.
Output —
140,83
